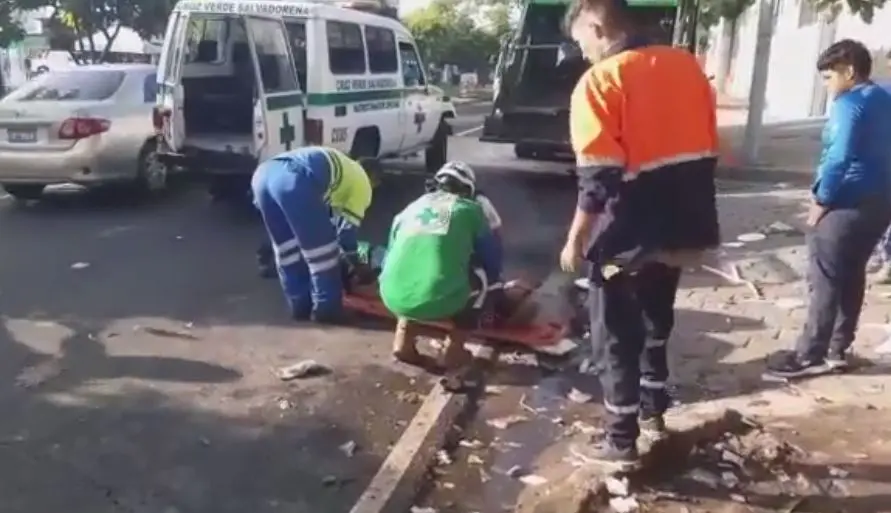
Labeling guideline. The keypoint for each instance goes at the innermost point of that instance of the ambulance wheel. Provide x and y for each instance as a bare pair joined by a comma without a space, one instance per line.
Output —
524,151
437,154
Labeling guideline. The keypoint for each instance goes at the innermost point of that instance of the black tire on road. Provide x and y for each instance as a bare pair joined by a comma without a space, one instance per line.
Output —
24,191
437,154
524,151
152,176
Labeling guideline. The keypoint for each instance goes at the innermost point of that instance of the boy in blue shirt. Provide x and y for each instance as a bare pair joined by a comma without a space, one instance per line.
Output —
850,211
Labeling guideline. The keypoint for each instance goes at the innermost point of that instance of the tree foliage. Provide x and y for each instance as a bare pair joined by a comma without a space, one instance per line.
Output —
10,30
73,24
463,33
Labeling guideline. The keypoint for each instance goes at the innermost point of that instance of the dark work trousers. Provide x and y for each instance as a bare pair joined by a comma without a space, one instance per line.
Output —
632,316
839,247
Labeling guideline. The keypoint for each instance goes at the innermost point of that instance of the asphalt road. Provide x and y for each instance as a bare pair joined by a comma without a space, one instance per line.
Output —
470,118
138,348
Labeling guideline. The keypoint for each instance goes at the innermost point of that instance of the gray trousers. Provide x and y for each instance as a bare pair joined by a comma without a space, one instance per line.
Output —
839,247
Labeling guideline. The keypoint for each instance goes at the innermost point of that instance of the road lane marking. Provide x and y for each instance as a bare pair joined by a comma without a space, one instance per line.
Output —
411,456
470,131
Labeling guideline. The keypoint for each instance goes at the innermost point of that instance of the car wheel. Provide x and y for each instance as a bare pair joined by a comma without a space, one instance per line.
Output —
24,192
152,174
438,153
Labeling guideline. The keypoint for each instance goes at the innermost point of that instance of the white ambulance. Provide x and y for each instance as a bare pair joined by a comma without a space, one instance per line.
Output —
240,81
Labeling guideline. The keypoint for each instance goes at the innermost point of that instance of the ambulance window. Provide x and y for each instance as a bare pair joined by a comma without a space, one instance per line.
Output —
412,71
272,55
205,40
346,50
381,50
297,38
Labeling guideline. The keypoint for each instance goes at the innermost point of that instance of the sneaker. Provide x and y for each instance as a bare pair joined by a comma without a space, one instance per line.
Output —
790,365
837,362
653,427
605,452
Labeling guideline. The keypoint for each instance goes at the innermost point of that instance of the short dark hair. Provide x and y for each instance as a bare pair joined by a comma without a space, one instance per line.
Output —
847,52
617,11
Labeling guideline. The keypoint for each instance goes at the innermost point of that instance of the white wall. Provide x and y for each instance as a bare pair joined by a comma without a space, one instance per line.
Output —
793,89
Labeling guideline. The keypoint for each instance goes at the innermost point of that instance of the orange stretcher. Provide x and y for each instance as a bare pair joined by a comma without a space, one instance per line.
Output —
537,337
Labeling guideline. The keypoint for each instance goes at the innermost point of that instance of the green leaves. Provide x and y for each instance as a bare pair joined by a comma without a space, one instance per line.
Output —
460,32
74,20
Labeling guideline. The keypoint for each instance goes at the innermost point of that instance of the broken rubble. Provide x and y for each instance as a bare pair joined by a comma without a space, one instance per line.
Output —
303,369
624,504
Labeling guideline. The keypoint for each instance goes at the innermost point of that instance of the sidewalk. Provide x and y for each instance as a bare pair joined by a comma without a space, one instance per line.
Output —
787,151
817,431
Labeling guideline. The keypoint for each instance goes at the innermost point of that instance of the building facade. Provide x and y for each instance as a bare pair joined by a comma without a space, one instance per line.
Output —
799,35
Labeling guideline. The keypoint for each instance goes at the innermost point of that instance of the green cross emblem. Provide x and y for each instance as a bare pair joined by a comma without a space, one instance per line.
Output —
427,216
286,133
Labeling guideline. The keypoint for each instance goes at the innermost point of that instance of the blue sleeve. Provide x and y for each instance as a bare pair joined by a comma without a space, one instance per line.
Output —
346,234
839,146
487,249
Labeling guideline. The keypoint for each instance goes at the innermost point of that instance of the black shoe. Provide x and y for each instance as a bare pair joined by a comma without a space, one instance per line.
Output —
328,317
301,313
789,364
267,272
653,427
605,452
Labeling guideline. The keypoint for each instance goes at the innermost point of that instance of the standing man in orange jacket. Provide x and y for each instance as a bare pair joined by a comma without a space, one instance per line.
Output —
643,129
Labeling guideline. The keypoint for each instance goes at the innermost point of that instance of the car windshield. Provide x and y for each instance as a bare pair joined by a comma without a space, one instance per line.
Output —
70,85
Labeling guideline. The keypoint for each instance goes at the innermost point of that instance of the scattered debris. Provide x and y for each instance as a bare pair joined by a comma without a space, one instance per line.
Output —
304,369
443,457
204,441
418,509
790,303
838,472
585,428
735,497
470,444
473,459
284,404
533,480
616,486
349,448
624,504
515,472
780,228
751,237
80,265
506,422
329,481
577,396
704,477
732,457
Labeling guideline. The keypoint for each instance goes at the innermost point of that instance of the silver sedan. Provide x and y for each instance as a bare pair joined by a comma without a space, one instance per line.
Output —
89,126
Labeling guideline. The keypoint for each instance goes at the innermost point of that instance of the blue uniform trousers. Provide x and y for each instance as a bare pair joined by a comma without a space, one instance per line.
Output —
291,198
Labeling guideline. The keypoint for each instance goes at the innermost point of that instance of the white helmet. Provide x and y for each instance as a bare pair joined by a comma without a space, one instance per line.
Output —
458,171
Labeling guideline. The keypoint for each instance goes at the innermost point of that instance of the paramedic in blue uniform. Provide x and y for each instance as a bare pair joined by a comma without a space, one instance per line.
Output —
297,192
850,209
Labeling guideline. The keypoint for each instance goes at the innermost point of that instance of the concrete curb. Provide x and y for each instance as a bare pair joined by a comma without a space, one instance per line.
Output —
405,471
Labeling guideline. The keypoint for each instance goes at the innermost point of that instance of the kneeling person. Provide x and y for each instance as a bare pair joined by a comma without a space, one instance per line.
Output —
439,246
297,192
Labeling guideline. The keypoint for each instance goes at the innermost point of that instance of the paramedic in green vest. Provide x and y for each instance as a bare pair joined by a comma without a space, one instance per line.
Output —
443,263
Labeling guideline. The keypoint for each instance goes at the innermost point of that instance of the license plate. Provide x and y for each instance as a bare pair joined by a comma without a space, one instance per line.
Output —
21,136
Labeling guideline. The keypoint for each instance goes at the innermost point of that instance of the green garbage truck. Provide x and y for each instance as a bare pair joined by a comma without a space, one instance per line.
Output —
538,67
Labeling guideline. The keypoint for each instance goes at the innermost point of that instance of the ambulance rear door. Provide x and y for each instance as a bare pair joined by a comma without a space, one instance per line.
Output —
169,111
281,101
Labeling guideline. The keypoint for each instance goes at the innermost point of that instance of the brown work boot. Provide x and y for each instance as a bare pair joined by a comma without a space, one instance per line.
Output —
456,355
405,344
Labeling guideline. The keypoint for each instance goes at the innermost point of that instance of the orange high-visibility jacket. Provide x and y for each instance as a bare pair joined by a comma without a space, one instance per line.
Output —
643,129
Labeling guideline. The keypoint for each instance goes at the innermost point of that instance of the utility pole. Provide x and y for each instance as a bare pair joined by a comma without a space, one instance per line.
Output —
758,88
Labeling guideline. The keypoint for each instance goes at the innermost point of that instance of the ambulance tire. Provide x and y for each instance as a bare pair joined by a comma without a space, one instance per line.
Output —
152,176
225,189
437,153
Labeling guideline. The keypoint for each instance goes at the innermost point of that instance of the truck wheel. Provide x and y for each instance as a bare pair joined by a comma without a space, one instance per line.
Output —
438,153
524,151
24,191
